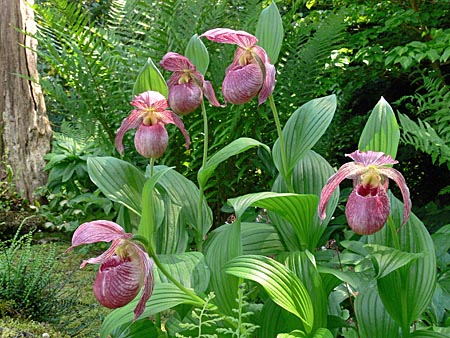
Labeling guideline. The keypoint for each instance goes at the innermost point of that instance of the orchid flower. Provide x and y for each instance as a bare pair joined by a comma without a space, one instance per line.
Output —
125,267
186,85
150,117
251,71
368,205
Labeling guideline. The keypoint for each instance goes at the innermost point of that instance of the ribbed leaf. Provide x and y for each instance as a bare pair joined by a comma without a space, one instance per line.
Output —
118,180
197,53
293,334
303,129
185,193
387,259
150,78
309,176
260,239
275,319
189,268
171,234
373,319
222,245
281,284
270,32
143,328
165,296
426,334
297,209
381,132
406,292
236,147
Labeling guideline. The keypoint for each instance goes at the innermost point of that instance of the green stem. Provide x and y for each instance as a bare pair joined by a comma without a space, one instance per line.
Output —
199,239
152,166
282,145
394,233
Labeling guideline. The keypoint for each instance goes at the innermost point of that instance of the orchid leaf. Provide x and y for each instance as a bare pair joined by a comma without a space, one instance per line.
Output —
293,334
270,32
171,234
236,147
118,180
301,132
165,296
381,132
275,319
197,53
373,319
260,239
426,334
150,78
281,284
143,328
189,268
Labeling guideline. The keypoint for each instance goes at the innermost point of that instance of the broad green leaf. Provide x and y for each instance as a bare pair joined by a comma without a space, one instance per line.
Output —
143,328
236,147
406,292
426,334
185,193
270,32
356,280
381,132
260,239
189,268
373,319
297,209
388,259
301,132
222,245
165,296
118,180
309,176
281,284
304,266
197,53
171,235
150,78
322,333
293,334
275,319
150,213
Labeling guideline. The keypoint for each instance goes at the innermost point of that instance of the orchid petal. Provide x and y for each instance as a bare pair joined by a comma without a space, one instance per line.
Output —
241,84
226,35
97,231
398,178
151,141
130,122
348,170
175,62
269,84
210,95
170,117
371,158
185,98
150,99
149,283
111,251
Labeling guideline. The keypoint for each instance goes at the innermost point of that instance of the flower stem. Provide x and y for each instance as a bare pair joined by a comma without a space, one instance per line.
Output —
152,166
394,233
281,141
199,239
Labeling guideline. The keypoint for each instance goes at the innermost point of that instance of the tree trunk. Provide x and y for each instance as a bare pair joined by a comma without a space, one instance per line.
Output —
25,131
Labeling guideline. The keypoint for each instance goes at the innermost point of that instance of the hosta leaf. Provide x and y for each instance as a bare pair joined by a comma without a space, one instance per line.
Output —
381,132
236,147
270,32
297,209
301,132
197,53
281,284
165,296
150,78
373,319
189,268
118,180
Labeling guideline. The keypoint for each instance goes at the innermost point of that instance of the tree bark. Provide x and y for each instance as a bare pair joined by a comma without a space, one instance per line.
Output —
25,132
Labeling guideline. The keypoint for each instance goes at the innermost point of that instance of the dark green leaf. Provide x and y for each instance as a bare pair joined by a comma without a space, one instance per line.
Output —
270,32
150,78
197,53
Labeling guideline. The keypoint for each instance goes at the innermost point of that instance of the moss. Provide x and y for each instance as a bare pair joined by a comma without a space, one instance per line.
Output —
15,327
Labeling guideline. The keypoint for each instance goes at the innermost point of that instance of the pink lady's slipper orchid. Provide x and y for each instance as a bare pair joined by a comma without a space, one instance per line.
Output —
186,85
368,205
150,117
125,267
251,71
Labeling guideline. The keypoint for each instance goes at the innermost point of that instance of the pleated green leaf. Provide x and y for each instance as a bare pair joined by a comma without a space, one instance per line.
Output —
293,334
150,78
426,334
297,209
373,319
197,53
143,328
260,239
270,32
185,193
309,176
354,279
275,319
281,284
165,296
407,291
304,266
236,147
189,268
171,234
381,132
118,180
301,132
222,245
387,259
